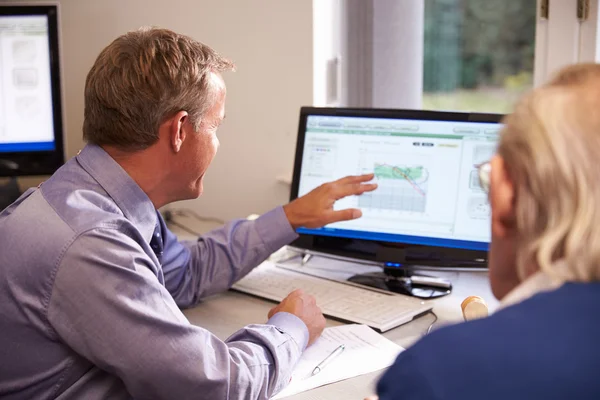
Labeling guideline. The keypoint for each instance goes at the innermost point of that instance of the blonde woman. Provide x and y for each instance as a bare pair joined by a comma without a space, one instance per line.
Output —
544,189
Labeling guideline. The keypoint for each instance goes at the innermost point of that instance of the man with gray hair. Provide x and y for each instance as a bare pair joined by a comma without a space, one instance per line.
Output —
544,190
91,279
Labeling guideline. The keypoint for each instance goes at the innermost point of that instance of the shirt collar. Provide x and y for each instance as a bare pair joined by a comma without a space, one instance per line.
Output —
127,195
536,283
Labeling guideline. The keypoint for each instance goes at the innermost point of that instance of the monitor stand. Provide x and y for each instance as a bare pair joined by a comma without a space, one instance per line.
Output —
9,192
407,283
399,280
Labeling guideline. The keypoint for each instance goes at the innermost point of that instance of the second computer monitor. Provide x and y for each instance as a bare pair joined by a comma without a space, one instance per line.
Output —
31,128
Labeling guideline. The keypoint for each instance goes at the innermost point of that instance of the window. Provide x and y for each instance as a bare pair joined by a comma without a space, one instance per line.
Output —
468,55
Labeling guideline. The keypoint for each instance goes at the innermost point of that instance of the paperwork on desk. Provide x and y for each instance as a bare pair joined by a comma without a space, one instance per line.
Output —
366,351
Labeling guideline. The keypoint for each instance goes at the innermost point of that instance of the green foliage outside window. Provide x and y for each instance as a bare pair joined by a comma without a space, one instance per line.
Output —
477,53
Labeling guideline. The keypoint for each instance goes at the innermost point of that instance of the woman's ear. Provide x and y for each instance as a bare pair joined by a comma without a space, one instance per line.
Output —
502,196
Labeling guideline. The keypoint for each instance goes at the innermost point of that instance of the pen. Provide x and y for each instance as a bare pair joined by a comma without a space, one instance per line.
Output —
328,359
306,258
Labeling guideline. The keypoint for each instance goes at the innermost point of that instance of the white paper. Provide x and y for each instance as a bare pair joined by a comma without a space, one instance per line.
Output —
366,351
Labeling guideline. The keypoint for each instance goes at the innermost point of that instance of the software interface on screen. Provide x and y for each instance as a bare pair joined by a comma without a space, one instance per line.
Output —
428,187
26,122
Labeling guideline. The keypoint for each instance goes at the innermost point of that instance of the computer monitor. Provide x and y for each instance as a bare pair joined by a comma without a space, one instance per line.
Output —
31,128
428,210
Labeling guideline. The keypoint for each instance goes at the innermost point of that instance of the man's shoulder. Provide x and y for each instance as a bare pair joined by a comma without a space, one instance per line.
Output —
43,222
78,199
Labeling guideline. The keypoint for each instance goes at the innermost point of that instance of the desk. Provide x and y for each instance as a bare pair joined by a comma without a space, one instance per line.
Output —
225,313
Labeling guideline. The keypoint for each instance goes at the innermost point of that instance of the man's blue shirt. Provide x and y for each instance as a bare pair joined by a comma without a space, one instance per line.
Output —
87,311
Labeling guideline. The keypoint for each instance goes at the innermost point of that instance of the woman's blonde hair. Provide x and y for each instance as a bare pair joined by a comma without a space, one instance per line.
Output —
551,149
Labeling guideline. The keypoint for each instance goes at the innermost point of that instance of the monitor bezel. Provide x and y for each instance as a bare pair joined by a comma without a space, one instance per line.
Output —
30,163
389,254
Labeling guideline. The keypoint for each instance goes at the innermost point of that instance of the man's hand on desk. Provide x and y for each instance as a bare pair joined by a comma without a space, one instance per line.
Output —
303,306
315,209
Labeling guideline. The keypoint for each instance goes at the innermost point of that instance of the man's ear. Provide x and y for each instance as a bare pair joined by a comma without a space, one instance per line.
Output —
177,130
502,199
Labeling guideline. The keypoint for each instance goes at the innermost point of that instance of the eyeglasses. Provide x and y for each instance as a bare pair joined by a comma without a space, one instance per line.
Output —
484,171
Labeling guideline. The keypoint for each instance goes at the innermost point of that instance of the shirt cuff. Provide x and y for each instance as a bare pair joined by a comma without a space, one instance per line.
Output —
291,325
274,229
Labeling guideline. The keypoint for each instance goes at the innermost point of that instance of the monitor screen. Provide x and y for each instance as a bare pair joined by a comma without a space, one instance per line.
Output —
30,102
425,165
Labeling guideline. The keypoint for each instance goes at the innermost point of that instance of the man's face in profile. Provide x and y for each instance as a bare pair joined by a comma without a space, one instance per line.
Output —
199,148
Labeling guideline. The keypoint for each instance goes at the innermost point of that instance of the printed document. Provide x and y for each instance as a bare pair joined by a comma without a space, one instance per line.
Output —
365,351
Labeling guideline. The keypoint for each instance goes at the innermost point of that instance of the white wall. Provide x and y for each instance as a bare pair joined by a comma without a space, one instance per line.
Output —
271,43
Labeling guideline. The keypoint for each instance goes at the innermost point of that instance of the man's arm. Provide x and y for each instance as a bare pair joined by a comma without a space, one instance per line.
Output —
196,269
109,307
219,258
